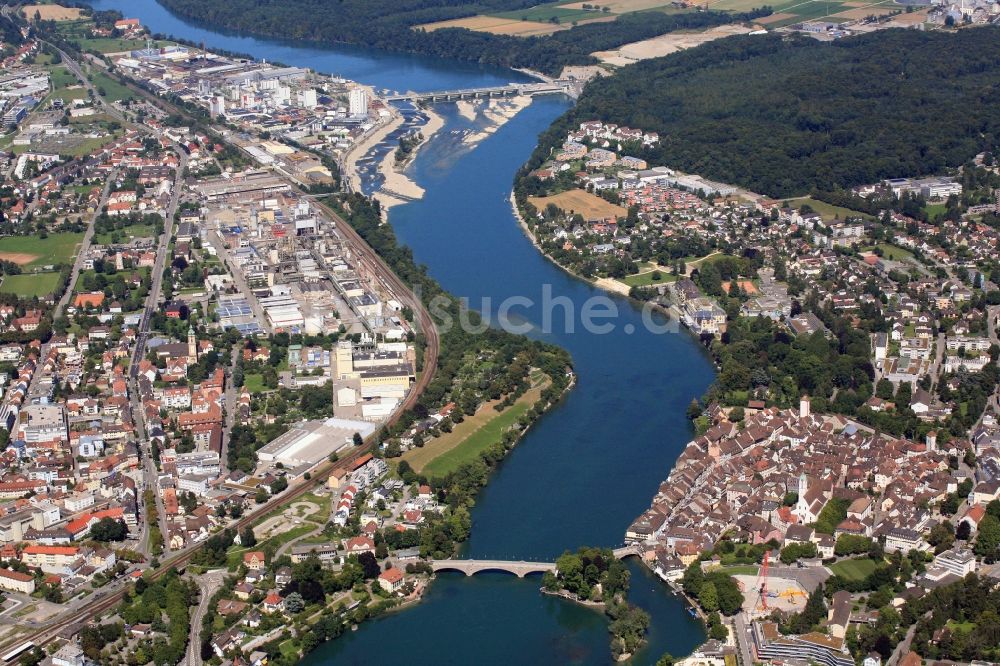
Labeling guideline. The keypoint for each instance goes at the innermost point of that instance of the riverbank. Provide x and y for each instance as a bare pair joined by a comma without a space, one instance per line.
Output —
360,149
397,187
563,594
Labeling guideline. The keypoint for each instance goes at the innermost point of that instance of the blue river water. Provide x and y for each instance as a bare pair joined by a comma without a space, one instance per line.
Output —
587,468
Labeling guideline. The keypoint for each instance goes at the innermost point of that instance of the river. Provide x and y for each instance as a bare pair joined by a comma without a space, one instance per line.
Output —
586,469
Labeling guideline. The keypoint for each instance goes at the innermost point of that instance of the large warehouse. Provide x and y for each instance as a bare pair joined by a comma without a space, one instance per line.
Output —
311,442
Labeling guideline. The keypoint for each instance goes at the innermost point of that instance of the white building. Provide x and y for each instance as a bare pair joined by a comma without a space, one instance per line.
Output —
957,561
217,107
358,102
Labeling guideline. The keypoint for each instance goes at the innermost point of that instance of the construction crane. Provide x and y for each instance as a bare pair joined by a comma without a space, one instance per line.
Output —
762,603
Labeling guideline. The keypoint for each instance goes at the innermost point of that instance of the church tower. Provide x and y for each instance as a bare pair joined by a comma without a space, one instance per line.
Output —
192,343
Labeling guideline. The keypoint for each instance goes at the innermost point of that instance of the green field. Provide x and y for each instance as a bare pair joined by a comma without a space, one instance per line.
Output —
963,627
935,209
55,249
893,252
113,90
254,383
857,569
112,45
827,211
646,279
475,443
131,231
30,284
742,570
75,147
60,77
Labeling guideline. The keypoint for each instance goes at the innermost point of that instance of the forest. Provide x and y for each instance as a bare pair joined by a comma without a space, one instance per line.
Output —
785,116
389,25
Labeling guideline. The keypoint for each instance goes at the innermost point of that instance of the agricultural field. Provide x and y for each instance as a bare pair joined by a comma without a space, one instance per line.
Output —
796,11
499,26
30,284
621,6
52,12
856,569
33,252
589,205
552,13
544,19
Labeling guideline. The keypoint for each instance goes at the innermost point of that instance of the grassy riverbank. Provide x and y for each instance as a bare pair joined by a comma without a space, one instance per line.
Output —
471,437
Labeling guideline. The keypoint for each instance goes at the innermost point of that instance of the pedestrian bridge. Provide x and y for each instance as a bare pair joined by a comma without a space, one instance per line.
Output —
568,87
519,568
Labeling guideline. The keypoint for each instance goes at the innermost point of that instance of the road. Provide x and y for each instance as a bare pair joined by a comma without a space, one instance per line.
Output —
743,639
241,284
209,583
89,233
152,304
230,401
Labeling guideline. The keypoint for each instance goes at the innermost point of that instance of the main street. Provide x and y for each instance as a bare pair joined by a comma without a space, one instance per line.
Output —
150,477
152,298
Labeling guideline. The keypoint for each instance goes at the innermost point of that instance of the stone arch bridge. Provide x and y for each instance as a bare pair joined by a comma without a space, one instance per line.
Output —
519,568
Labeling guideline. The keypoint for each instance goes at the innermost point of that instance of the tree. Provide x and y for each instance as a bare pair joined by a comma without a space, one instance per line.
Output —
709,597
247,538
988,538
109,529
370,564
294,603
358,439
942,536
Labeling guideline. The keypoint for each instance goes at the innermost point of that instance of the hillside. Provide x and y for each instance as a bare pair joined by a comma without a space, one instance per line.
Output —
784,116
390,25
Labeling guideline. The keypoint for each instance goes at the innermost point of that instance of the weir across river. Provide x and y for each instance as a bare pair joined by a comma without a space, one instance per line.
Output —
560,86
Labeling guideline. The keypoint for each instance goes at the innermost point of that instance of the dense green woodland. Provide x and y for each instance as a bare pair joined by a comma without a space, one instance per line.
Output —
387,25
787,115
